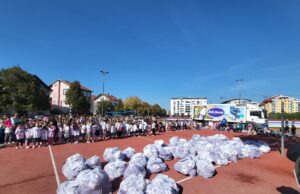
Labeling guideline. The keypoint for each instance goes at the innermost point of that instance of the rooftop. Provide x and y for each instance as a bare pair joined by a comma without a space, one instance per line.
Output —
69,83
189,98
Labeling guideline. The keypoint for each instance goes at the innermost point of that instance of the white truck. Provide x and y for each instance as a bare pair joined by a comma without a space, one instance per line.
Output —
251,115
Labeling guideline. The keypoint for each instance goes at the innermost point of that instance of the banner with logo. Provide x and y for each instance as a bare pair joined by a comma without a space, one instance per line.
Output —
217,112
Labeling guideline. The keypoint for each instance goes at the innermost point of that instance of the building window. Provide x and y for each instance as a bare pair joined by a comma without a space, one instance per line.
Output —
65,91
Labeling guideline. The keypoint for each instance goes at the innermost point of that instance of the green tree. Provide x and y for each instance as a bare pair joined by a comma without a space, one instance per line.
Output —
22,91
156,110
132,103
77,101
119,106
144,109
108,106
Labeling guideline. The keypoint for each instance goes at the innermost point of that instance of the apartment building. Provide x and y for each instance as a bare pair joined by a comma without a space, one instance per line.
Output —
183,106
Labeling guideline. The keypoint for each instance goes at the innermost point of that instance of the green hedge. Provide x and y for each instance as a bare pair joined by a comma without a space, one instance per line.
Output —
290,116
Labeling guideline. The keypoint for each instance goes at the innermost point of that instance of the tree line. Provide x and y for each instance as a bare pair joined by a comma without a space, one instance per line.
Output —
134,104
289,116
23,92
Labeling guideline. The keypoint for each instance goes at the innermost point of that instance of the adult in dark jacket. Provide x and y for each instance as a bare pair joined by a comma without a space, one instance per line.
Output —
293,154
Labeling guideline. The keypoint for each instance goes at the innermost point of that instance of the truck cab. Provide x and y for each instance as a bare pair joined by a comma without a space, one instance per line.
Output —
255,116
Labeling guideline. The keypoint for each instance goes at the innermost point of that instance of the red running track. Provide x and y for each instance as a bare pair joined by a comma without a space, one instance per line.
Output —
31,171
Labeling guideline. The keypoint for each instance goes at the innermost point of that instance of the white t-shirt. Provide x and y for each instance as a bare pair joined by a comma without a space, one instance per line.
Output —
20,133
36,132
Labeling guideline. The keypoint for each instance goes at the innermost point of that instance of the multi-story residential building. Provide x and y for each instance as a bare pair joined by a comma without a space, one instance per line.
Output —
274,104
100,98
183,106
240,101
58,94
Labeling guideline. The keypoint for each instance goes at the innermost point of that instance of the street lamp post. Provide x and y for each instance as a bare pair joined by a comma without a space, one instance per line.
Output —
103,74
239,82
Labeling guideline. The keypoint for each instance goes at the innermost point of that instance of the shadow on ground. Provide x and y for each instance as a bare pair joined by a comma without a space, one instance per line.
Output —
287,190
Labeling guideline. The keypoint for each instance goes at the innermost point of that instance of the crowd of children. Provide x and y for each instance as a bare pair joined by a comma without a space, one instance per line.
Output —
32,133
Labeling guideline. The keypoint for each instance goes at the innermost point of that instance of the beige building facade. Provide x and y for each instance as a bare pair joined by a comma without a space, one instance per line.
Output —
274,104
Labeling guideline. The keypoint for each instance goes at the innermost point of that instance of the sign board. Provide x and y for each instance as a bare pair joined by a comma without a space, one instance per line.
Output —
216,112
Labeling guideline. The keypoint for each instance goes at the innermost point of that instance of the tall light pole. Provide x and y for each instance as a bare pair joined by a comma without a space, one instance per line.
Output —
222,98
103,74
282,128
239,83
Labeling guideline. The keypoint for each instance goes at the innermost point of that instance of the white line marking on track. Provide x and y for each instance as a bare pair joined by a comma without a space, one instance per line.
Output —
54,166
185,179
296,178
188,178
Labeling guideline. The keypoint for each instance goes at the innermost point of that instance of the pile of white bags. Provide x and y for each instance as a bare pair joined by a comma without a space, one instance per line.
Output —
115,169
73,166
84,176
156,165
162,184
186,166
133,185
112,154
128,152
138,159
197,157
200,153
93,162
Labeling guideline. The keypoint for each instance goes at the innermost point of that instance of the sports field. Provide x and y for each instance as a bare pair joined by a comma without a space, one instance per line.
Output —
39,170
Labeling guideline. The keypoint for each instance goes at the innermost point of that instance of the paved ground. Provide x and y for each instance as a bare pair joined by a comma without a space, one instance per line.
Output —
31,171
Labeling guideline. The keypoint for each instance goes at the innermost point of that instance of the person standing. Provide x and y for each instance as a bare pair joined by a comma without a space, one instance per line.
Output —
20,135
293,129
153,128
286,126
8,131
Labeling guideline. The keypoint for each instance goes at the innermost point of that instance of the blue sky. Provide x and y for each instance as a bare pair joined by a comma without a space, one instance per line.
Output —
158,49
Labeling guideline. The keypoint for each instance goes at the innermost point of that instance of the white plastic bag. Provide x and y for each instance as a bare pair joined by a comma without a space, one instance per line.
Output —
159,143
138,159
112,154
68,187
150,150
93,162
92,181
205,168
73,166
162,184
156,165
134,169
173,141
133,185
186,166
128,152
165,153
115,169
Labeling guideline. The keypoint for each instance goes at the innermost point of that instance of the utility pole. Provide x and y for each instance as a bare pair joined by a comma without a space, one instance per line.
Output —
282,128
103,74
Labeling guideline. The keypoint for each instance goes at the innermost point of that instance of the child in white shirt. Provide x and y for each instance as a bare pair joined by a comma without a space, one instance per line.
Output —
44,135
20,135
36,135
28,136
51,131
